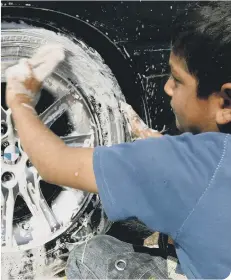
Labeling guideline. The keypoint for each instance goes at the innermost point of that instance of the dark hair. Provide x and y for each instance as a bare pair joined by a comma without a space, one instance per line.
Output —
202,36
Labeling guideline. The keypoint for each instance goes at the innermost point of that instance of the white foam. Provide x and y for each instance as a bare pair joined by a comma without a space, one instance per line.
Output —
46,59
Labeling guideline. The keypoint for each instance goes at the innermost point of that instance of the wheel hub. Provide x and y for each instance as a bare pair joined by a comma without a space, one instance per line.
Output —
11,154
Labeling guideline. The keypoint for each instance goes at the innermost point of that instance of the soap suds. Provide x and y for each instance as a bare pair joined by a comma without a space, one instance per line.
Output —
46,59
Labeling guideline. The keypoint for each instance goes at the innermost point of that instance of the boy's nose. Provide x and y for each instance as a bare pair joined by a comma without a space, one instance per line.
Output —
168,88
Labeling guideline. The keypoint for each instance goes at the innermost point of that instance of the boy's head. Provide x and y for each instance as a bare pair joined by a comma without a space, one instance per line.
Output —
200,61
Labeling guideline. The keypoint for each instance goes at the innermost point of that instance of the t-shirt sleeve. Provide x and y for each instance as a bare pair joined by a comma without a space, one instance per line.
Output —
157,180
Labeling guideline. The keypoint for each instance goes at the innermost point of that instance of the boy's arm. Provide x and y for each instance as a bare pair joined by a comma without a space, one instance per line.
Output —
55,162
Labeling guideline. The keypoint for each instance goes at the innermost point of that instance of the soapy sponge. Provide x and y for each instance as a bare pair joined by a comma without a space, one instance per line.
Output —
46,59
26,76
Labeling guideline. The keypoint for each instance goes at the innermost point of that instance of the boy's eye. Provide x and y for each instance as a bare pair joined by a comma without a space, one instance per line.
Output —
175,79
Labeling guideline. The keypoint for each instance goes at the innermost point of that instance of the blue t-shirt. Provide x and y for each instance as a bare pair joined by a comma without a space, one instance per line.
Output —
178,185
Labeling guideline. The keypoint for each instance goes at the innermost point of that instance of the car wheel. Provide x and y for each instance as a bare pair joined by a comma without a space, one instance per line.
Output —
79,102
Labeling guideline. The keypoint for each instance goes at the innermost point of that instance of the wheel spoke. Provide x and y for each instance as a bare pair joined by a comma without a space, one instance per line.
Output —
31,193
57,109
9,197
4,125
77,140
3,114
11,135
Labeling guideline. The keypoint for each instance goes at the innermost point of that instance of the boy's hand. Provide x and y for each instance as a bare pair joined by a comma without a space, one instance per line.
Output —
24,79
22,85
138,128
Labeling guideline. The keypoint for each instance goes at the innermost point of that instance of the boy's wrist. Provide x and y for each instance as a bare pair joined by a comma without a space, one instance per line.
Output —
19,100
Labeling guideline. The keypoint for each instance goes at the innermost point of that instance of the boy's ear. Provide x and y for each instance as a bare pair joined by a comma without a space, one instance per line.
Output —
226,89
223,115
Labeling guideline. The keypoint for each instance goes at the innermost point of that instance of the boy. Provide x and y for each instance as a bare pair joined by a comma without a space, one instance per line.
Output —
179,185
